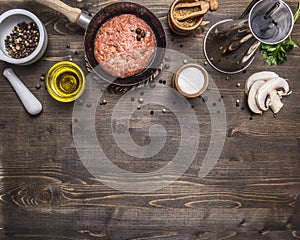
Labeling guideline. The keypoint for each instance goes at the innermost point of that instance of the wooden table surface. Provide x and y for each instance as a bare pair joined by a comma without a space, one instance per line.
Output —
253,191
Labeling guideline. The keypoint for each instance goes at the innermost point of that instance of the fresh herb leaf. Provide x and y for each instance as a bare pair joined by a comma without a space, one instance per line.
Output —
277,54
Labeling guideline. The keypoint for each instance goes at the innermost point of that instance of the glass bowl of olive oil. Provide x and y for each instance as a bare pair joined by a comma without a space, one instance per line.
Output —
65,81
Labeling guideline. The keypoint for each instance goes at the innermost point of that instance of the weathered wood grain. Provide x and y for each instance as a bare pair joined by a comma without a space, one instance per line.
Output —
46,192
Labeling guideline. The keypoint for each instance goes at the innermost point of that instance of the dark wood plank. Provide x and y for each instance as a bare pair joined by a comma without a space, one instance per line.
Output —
47,193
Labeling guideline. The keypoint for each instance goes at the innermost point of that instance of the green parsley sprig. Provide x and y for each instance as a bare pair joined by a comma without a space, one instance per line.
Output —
277,54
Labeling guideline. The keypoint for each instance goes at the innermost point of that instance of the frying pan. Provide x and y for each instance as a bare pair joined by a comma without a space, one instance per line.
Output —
93,24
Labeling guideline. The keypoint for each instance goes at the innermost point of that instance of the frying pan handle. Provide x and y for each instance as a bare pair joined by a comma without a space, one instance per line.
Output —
73,14
84,20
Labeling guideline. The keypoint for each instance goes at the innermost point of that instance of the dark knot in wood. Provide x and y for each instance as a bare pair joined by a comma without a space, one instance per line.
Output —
45,195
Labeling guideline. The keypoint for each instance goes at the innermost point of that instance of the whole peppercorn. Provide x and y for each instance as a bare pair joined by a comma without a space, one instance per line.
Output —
139,37
143,34
23,40
138,31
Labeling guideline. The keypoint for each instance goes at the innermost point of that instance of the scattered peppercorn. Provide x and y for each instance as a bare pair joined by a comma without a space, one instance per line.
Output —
38,86
89,105
23,40
205,99
42,77
167,66
152,85
80,102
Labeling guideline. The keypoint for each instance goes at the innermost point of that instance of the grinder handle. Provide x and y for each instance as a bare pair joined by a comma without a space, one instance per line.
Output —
73,14
248,9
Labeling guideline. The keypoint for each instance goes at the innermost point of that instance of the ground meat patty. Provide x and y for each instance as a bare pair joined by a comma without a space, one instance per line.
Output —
124,45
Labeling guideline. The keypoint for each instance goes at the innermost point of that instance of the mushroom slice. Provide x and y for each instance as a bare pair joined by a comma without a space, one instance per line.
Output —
275,102
251,97
264,75
266,90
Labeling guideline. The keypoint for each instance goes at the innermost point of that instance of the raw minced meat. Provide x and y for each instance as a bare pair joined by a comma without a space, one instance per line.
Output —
120,49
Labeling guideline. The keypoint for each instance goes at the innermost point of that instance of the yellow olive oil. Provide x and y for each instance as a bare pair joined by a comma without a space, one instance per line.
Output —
65,81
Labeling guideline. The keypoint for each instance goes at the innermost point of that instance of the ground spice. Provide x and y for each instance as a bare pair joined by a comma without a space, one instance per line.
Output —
184,12
23,40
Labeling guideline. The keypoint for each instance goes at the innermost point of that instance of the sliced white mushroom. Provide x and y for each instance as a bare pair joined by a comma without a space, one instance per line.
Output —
251,96
282,93
265,76
268,89
275,102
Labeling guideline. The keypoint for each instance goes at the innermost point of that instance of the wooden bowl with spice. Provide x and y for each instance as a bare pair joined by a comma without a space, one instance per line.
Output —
186,15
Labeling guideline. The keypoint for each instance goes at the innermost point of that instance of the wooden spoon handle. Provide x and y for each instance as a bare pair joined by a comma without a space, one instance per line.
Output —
192,15
188,5
71,13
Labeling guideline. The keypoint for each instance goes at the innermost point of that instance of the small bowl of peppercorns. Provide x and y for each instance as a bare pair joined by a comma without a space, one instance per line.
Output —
23,37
